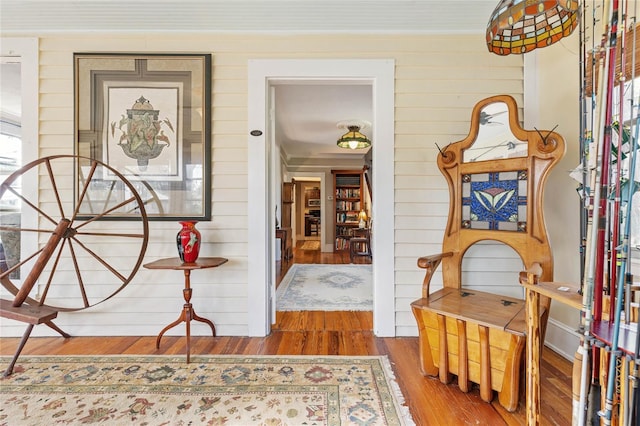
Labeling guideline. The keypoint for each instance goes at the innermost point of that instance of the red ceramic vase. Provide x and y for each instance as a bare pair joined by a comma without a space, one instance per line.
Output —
188,242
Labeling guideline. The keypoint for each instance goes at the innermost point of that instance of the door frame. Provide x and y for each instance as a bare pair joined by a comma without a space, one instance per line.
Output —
26,51
262,155
289,176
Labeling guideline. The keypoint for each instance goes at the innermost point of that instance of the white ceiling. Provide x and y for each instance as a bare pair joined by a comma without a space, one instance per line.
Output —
162,16
306,113
307,117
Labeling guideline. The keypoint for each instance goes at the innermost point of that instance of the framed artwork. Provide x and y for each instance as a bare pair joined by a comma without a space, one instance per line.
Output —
148,116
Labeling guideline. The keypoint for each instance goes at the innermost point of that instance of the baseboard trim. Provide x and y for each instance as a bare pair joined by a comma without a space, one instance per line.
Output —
562,339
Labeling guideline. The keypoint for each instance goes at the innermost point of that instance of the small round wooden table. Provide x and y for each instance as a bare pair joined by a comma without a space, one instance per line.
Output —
187,314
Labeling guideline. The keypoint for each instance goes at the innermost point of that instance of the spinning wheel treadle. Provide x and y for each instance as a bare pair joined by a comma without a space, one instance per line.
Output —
84,256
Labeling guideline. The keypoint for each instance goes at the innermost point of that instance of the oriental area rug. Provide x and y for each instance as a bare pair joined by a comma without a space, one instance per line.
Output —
211,390
312,287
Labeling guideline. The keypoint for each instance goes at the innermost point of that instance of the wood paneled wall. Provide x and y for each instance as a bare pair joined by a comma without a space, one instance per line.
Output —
439,78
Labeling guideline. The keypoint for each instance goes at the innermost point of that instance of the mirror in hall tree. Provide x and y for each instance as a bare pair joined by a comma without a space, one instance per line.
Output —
496,197
495,138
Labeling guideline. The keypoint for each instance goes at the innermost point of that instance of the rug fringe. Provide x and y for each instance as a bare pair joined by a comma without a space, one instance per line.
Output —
401,407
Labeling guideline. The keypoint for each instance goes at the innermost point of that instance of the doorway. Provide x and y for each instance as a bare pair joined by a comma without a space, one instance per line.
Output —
304,182
263,165
308,210
329,286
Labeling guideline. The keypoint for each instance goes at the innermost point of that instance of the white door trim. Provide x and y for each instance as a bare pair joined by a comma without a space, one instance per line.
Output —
26,51
381,74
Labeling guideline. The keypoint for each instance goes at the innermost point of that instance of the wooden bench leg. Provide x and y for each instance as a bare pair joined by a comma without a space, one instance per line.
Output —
510,394
463,357
443,362
25,337
486,391
427,364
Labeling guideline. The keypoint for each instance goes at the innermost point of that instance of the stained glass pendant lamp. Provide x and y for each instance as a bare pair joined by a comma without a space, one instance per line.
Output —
519,26
353,139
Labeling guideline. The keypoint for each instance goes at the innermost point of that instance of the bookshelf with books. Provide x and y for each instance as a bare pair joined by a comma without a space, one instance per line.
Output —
348,201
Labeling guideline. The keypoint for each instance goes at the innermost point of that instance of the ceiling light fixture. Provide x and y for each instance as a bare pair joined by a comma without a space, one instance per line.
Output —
353,139
519,26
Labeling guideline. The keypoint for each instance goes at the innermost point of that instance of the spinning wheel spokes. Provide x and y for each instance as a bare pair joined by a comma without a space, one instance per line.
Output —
28,203
85,188
94,254
55,187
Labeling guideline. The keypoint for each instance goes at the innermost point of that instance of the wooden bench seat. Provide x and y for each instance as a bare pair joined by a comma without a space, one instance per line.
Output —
478,336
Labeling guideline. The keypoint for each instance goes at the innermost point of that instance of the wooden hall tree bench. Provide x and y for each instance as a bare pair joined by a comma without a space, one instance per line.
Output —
496,179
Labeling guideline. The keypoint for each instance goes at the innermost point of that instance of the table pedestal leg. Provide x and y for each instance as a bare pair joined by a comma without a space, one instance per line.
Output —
186,316
196,317
182,318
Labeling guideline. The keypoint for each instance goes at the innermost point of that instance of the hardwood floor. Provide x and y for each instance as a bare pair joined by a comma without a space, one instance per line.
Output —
340,333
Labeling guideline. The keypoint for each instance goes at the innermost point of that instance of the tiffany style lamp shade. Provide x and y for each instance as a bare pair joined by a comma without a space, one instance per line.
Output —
353,139
519,26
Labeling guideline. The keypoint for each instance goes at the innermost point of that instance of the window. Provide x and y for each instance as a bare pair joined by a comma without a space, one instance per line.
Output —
10,159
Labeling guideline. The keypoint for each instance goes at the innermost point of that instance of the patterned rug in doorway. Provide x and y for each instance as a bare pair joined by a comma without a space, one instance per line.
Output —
326,288
310,245
211,390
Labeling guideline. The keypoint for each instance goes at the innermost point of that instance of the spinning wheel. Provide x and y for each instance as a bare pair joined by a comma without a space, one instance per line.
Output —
85,254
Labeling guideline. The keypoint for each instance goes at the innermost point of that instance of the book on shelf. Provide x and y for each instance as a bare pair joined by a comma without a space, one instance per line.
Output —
347,217
342,243
348,205
345,180
345,231
348,193
351,217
